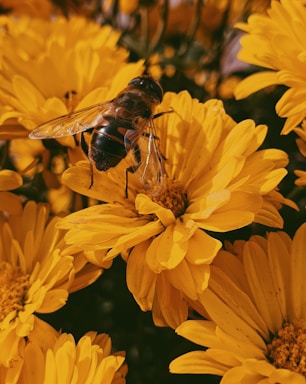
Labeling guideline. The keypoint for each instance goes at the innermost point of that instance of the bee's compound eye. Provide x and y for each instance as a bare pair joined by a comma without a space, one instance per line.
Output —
156,89
137,81
146,83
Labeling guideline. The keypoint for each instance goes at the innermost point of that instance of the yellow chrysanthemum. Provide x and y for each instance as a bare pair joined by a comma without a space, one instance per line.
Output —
46,70
58,66
9,180
216,181
275,41
256,305
37,272
90,361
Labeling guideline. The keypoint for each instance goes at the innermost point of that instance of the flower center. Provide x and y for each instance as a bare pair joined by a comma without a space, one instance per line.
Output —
288,347
171,196
13,288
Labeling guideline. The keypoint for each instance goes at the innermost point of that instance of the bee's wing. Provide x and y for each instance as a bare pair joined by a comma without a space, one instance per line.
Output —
72,123
131,138
149,160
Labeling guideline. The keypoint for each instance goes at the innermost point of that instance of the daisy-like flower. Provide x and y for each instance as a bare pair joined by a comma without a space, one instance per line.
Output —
9,202
80,57
84,66
255,301
216,181
37,272
61,360
275,41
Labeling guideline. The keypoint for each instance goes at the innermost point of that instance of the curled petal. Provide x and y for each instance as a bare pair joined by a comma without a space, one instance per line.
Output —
140,279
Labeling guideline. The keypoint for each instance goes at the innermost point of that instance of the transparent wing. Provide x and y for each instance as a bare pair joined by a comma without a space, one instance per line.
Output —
72,123
149,165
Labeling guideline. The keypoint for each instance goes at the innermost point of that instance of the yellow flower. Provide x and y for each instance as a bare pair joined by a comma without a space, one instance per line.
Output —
37,272
62,360
216,181
50,68
275,41
9,202
256,306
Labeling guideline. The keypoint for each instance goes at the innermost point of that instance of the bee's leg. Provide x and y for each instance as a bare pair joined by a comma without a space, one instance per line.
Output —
127,182
163,113
132,169
84,145
85,148
76,141
91,174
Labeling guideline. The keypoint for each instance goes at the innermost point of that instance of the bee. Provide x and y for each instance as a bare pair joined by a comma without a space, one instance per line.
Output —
116,127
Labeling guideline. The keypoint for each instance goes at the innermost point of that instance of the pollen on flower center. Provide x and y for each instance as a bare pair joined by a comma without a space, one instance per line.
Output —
171,196
13,288
288,347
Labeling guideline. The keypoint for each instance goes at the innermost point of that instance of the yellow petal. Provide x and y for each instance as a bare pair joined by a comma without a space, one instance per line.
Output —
78,178
189,279
169,248
297,273
254,83
29,95
292,102
201,332
140,279
140,234
168,307
145,206
202,248
238,212
279,243
201,362
204,207
53,300
261,283
9,180
163,253
228,320
10,203
269,215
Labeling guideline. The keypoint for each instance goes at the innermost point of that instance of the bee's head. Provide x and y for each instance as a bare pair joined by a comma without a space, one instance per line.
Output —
148,85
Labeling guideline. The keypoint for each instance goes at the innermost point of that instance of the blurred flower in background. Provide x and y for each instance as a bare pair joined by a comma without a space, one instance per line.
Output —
49,69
